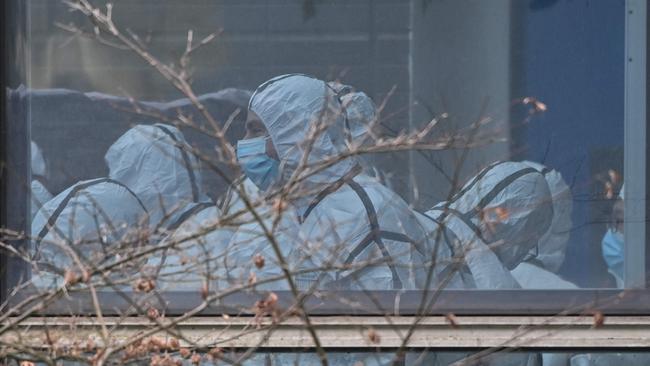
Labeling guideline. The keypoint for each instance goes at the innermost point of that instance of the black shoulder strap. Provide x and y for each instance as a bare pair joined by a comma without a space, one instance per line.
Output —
51,221
498,188
181,219
186,161
462,269
535,261
476,179
226,198
41,179
503,184
374,234
189,213
330,189
113,181
469,186
466,218
444,232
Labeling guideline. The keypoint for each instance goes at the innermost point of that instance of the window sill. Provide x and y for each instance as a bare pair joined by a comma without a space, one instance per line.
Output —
344,332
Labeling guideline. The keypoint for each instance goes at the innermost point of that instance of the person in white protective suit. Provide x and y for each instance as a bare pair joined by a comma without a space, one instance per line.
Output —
150,188
361,114
74,230
197,252
483,231
157,163
187,255
333,216
611,359
489,226
40,193
199,247
346,218
262,171
539,268
361,127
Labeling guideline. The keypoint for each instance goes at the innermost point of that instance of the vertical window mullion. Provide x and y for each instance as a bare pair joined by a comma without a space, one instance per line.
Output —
15,138
635,143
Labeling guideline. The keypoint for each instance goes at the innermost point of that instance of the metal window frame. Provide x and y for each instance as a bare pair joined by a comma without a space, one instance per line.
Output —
635,143
468,302
14,141
3,138
356,303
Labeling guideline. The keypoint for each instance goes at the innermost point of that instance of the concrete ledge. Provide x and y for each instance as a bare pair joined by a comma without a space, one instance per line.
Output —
353,332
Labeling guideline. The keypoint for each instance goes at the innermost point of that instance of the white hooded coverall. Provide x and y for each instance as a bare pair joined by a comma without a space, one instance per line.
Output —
346,218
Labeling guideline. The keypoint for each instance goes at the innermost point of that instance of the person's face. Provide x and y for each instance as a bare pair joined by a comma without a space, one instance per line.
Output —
255,128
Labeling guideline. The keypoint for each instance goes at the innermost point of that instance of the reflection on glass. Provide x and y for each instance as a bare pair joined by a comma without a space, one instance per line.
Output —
448,145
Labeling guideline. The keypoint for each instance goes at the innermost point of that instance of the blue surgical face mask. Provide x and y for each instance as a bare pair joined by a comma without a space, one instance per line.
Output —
257,165
613,253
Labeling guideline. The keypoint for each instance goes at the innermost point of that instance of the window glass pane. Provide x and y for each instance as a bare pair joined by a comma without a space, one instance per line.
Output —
413,145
